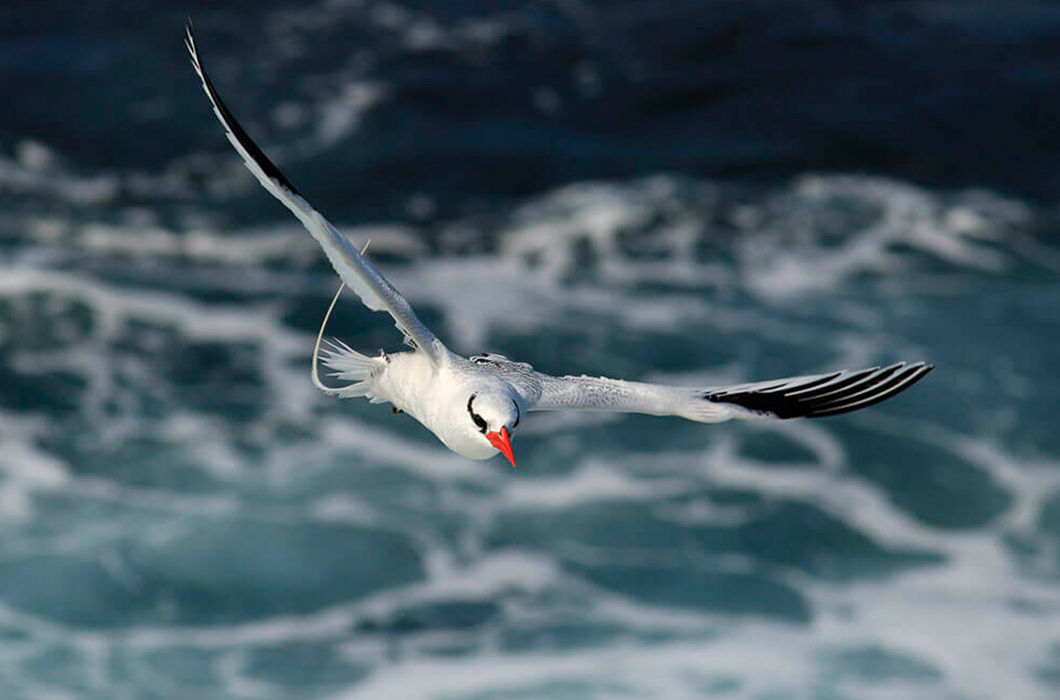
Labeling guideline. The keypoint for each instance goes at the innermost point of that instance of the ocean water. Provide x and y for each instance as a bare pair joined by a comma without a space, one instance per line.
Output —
693,193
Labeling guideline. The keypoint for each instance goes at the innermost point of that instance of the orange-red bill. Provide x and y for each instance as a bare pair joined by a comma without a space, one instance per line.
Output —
503,442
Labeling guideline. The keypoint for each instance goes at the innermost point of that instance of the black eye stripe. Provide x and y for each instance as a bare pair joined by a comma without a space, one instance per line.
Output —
476,418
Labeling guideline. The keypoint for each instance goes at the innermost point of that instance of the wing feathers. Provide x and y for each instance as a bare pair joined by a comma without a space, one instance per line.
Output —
814,396
795,397
359,274
234,129
839,387
878,393
833,395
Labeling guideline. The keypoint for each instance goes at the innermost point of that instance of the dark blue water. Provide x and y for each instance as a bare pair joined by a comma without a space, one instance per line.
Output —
687,192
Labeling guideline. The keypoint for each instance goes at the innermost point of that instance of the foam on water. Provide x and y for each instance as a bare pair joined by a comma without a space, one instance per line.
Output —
226,529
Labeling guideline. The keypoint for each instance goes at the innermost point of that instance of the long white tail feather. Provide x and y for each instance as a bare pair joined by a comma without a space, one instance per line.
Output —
313,373
347,362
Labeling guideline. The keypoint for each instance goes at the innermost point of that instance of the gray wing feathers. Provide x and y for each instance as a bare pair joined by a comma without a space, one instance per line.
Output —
356,271
603,394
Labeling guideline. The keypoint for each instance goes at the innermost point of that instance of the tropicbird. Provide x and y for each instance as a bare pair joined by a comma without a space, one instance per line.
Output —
474,405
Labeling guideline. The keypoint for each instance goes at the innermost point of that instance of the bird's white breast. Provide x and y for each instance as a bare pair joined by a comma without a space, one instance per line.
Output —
437,397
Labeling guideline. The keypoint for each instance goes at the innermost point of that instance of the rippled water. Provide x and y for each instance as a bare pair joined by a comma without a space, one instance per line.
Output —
183,516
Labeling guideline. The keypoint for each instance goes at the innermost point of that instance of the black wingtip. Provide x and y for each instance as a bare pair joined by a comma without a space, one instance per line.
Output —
229,120
841,393
189,39
879,391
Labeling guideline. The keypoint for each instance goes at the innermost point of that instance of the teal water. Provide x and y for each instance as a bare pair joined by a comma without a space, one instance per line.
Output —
183,516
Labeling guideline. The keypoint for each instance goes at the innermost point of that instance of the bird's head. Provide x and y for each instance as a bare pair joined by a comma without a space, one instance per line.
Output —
495,416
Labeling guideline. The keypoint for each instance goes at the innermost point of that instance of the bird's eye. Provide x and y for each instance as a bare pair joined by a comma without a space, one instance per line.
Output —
517,416
478,420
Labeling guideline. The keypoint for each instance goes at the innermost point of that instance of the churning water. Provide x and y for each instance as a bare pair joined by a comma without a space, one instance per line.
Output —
657,193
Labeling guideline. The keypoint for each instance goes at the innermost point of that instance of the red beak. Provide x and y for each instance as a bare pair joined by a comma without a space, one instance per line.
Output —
503,442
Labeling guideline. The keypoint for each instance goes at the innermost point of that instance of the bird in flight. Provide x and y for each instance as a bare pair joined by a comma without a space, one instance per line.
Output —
474,405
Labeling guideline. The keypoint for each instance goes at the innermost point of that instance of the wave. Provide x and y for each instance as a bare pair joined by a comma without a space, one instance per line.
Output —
183,511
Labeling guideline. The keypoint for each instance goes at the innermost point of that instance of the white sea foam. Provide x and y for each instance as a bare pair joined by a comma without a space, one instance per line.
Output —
589,482
25,467
976,621
664,671
35,170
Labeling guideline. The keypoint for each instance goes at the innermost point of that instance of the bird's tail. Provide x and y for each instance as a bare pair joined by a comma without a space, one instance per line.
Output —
348,365
345,362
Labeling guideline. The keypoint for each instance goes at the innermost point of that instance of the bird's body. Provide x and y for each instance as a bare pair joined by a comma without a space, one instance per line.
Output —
414,385
474,404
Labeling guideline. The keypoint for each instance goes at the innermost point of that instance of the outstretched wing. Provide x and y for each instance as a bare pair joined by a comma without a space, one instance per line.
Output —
813,396
356,271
